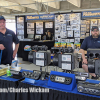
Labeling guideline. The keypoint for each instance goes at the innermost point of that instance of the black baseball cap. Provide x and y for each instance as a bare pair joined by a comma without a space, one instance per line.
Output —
1,17
94,27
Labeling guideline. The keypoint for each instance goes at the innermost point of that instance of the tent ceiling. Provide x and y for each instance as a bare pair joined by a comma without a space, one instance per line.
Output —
19,7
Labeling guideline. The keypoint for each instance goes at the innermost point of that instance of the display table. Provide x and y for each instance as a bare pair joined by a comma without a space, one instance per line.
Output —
24,54
5,83
53,94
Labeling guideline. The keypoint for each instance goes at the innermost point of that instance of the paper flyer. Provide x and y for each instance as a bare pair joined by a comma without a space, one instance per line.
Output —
75,27
84,26
76,33
59,39
57,36
67,17
68,27
39,30
83,29
83,32
74,22
87,22
30,31
57,28
94,22
83,22
61,17
48,24
70,33
30,25
20,25
75,16
20,32
63,40
77,40
63,34
39,24
71,40
67,41
20,19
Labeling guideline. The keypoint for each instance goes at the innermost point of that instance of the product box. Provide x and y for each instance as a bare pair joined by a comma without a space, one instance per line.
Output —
57,44
77,47
70,45
63,44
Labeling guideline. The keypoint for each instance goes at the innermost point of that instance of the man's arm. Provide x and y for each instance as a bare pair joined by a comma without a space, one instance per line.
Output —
2,47
83,56
83,53
16,49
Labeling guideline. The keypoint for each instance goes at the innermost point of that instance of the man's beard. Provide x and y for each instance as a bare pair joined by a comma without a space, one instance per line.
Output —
2,28
95,36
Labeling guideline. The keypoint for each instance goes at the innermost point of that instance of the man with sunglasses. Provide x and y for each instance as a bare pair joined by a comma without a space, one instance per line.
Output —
92,41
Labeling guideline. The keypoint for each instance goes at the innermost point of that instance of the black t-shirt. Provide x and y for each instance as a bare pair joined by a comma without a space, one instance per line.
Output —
7,40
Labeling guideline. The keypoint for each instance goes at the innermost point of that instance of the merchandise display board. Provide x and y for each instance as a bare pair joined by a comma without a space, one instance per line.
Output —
30,30
35,30
43,25
85,29
20,27
67,29
89,19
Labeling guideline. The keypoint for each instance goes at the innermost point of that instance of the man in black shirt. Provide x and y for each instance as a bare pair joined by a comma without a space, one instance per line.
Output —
7,37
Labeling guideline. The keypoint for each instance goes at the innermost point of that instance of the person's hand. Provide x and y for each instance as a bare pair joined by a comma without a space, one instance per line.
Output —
84,61
14,53
2,47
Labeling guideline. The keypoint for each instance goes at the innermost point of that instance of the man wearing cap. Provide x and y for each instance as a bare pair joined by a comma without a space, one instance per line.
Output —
92,41
7,37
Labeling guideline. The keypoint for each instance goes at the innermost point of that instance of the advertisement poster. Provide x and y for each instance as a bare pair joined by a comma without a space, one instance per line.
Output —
30,31
70,33
39,24
57,28
30,25
77,40
75,27
76,33
39,30
48,24
94,22
20,19
20,25
20,32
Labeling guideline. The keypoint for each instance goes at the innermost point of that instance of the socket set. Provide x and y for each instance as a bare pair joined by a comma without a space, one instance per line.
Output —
60,79
89,88
33,75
